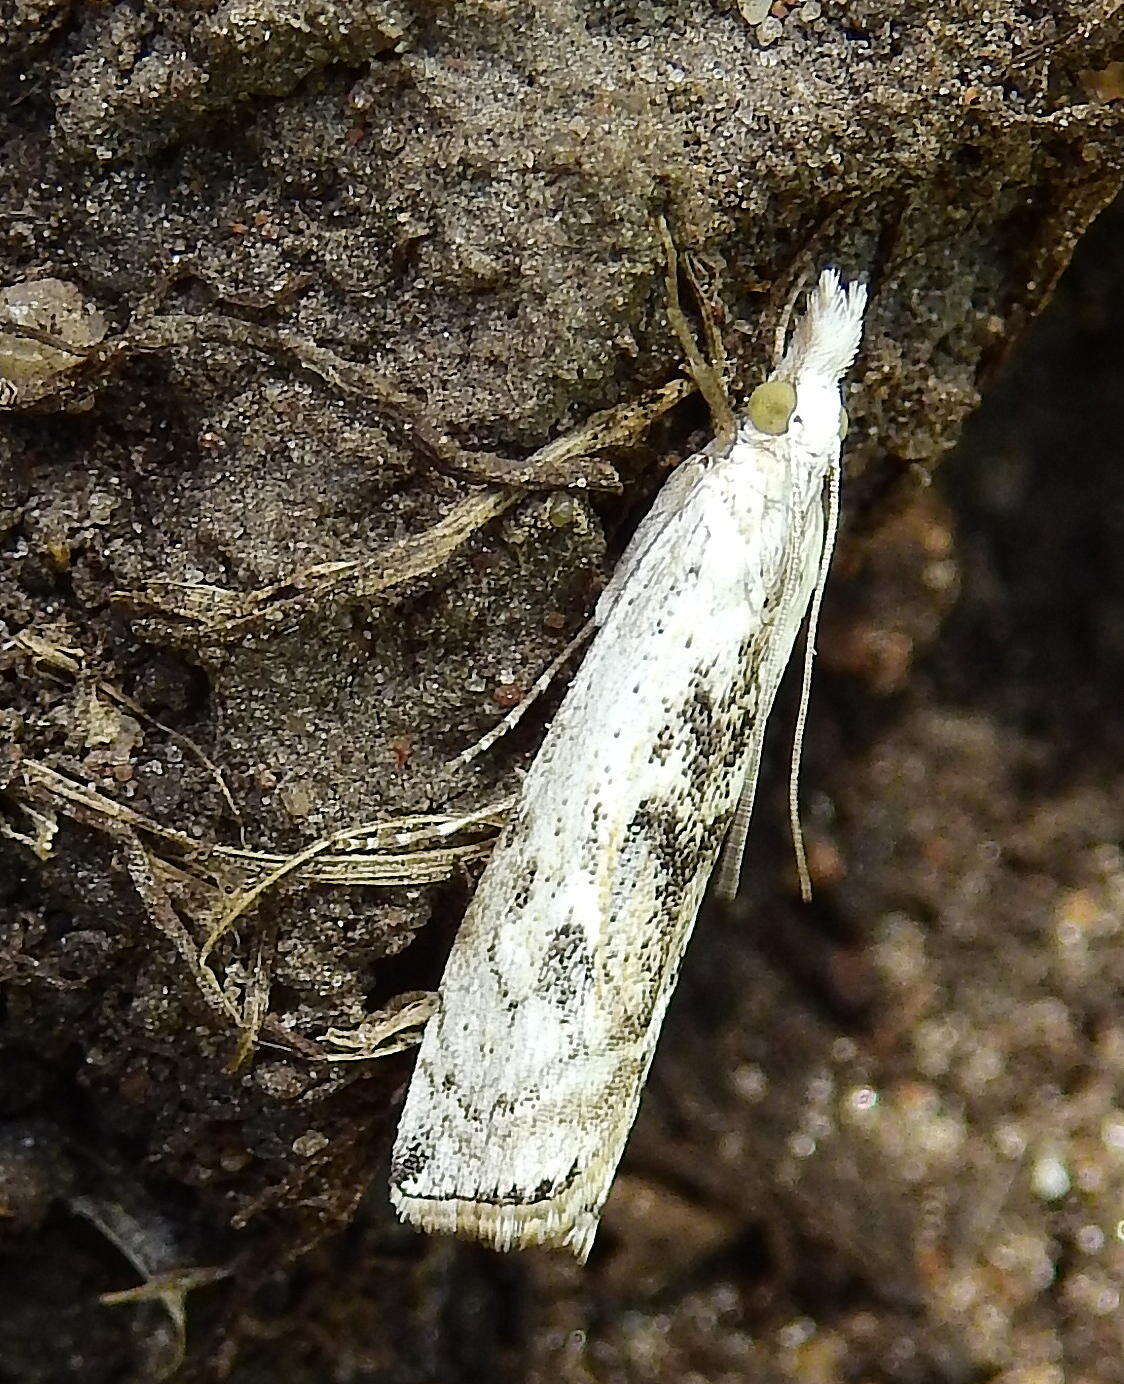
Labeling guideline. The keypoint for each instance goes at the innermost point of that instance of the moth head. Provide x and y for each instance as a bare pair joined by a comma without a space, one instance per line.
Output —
771,406
807,410
802,396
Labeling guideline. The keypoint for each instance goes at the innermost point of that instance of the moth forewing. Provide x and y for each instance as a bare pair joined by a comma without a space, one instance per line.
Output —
531,1071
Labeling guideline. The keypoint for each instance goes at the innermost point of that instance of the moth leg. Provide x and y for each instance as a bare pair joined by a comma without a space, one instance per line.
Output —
706,376
729,871
733,847
537,688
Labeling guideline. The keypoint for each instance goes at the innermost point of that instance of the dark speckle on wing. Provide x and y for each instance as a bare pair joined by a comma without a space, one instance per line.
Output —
567,967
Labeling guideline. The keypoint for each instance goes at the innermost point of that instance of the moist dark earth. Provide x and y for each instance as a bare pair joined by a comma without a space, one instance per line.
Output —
292,298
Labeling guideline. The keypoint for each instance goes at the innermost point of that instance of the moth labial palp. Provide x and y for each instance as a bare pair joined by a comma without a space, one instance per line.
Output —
530,1073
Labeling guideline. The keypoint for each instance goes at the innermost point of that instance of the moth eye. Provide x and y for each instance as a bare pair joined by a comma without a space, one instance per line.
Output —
844,424
771,406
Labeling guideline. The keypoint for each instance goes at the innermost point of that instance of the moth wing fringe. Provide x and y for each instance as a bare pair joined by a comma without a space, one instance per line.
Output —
566,1220
555,1224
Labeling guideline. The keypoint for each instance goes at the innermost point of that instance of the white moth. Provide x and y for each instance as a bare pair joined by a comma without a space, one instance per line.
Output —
531,1071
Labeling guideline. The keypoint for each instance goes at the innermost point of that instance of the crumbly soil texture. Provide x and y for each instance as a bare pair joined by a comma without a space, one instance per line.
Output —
335,370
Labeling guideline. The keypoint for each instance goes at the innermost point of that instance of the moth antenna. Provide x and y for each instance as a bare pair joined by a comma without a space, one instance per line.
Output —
715,346
705,376
806,683
789,308
728,875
